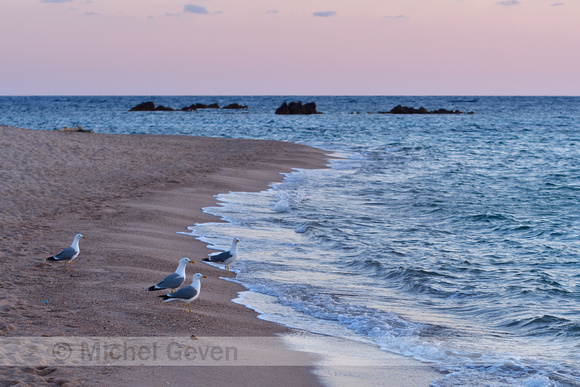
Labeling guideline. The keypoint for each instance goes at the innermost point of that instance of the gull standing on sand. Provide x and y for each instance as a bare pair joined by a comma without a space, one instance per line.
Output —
68,254
174,280
225,258
187,293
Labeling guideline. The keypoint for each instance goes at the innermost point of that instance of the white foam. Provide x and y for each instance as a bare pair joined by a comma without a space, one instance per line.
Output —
345,362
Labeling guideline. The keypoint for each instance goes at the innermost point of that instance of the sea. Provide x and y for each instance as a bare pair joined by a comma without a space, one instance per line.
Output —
453,240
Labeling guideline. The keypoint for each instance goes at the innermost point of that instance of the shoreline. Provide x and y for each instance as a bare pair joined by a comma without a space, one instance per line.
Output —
129,195
133,197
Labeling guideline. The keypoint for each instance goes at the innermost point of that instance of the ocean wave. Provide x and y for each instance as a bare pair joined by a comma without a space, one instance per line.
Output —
450,242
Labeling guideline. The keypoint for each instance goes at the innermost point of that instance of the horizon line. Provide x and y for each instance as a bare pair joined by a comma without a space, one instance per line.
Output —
289,95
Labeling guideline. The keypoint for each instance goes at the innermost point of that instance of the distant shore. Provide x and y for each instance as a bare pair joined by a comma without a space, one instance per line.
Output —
129,195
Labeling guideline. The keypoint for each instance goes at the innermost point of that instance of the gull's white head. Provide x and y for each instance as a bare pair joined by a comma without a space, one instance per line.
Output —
185,261
198,276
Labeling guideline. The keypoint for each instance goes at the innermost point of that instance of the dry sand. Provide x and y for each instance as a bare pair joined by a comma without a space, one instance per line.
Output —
129,195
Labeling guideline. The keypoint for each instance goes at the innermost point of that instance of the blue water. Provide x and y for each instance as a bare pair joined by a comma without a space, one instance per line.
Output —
453,239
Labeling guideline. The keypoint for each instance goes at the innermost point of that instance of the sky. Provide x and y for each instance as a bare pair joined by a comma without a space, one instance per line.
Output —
298,47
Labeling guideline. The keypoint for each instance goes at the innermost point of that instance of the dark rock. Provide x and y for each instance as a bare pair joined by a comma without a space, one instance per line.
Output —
143,107
297,108
150,107
235,106
196,106
396,110
162,108
283,109
309,108
410,110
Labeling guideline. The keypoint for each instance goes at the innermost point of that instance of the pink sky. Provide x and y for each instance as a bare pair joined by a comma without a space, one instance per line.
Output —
308,47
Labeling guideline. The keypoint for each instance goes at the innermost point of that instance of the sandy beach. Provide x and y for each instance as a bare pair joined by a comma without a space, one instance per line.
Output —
133,197
129,195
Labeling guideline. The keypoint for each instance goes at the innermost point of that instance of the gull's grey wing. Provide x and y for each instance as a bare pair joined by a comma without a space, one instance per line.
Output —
184,293
172,281
66,254
221,257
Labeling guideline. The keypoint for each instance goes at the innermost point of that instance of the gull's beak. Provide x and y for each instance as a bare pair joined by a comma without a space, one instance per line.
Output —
203,276
84,237
190,261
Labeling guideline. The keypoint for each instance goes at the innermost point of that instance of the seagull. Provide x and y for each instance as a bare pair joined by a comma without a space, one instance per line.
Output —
174,280
187,293
68,254
225,258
